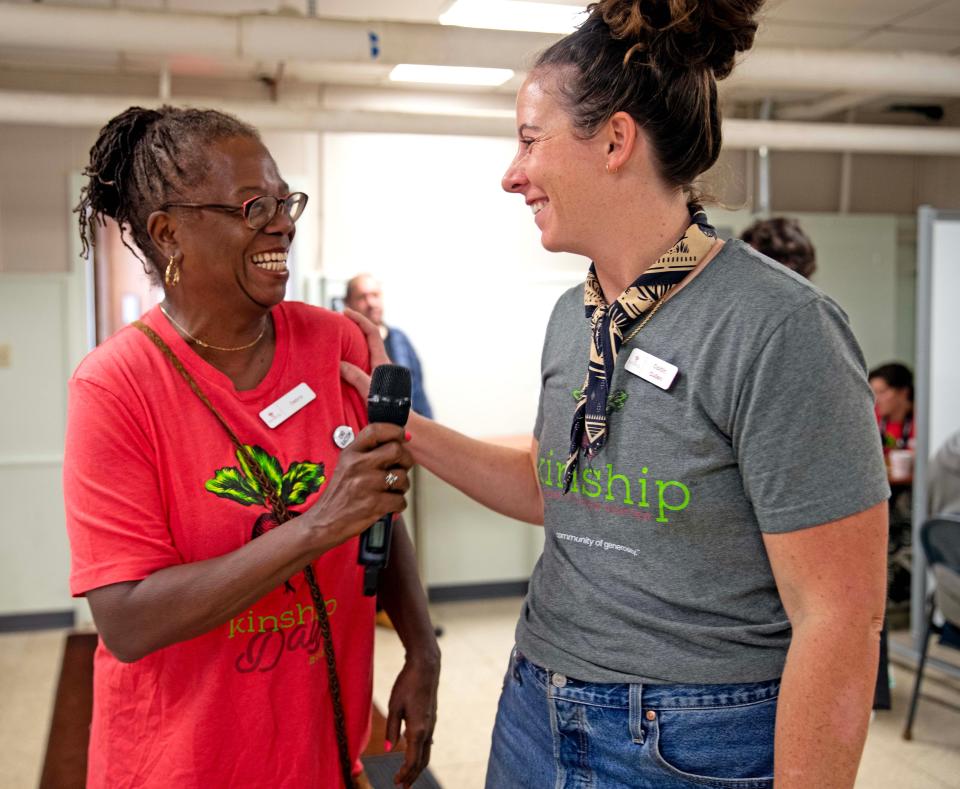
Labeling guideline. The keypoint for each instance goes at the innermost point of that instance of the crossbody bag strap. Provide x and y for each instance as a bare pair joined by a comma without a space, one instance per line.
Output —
282,515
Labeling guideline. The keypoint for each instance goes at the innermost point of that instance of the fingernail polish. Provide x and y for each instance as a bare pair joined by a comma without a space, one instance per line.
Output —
407,436
387,746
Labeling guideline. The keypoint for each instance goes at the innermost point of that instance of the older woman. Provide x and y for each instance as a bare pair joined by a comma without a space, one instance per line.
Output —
235,651
707,607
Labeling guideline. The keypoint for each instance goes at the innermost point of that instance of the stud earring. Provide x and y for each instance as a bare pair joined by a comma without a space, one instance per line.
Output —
171,275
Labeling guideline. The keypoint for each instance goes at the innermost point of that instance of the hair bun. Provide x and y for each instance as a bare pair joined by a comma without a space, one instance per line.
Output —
684,34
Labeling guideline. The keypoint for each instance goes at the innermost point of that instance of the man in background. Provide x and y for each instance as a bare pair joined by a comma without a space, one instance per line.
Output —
783,240
365,295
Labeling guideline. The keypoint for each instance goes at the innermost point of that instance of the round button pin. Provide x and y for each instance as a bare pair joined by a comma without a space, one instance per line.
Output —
343,436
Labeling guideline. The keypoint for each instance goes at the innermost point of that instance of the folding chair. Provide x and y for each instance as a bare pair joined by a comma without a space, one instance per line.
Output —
940,538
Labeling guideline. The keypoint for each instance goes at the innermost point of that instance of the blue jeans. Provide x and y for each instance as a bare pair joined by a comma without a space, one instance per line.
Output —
554,732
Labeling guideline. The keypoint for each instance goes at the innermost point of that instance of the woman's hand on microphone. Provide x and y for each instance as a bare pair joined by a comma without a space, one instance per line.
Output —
369,481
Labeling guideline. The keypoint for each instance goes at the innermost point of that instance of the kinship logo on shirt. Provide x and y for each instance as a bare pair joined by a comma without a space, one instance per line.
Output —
607,485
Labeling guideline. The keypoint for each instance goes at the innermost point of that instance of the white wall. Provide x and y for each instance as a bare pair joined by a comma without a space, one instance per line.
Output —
944,332
40,314
864,262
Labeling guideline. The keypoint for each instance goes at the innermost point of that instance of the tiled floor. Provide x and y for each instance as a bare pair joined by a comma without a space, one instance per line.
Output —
476,644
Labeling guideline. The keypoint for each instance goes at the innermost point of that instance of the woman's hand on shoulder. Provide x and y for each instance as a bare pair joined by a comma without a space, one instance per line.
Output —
378,351
370,480
352,374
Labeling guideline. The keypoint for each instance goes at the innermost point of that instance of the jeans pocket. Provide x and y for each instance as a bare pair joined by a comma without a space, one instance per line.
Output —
728,746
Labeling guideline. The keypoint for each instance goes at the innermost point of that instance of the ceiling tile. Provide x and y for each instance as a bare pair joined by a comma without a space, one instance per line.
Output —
224,6
909,40
944,16
784,34
845,12
427,11
26,57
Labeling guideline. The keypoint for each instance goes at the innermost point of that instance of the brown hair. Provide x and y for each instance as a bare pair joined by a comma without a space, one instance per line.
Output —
896,375
659,61
783,240
141,159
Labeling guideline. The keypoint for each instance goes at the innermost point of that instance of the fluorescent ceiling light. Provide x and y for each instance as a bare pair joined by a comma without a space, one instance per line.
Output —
514,15
450,75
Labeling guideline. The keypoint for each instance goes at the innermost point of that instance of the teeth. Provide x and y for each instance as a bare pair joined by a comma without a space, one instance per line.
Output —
271,261
536,207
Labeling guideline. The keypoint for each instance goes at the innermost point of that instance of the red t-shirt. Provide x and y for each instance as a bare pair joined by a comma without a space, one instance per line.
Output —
896,435
151,480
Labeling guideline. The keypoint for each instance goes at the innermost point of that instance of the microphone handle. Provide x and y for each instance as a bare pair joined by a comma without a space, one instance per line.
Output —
375,552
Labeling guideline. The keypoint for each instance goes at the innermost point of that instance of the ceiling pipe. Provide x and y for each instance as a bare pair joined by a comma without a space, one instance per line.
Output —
763,165
856,138
853,71
93,111
258,37
261,37
832,105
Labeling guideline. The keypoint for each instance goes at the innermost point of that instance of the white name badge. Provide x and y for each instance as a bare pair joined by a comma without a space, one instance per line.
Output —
650,368
280,411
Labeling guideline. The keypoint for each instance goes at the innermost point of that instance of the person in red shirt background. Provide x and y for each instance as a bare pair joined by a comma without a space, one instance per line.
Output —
892,386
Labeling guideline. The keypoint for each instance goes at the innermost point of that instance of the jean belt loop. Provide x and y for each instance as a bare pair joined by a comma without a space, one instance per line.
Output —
636,712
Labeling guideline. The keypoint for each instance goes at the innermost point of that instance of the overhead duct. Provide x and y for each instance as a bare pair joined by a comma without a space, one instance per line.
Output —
852,71
849,137
262,37
257,37
93,111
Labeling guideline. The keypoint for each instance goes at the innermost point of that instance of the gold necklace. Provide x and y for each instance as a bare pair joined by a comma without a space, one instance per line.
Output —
645,321
203,344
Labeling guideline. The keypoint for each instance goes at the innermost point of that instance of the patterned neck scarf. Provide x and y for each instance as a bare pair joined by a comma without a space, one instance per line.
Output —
610,322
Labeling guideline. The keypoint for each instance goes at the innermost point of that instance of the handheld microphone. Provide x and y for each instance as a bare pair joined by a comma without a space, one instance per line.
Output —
388,401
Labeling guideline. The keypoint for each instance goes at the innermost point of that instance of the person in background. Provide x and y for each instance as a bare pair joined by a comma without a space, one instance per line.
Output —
707,608
365,295
235,646
783,240
892,386
943,478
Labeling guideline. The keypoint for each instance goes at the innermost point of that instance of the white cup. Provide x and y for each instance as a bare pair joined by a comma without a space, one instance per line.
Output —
901,463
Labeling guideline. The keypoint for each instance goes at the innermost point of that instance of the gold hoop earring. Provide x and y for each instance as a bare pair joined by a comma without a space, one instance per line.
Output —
171,275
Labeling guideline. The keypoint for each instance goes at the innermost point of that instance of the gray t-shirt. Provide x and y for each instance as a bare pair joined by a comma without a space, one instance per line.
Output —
654,568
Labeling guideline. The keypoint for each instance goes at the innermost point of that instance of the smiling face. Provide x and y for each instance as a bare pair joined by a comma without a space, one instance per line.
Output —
554,170
225,263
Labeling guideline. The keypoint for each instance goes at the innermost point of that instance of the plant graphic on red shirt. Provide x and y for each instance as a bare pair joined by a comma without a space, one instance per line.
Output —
238,483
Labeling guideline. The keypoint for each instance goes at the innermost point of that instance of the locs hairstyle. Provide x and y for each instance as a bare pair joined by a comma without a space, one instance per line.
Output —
141,159
659,61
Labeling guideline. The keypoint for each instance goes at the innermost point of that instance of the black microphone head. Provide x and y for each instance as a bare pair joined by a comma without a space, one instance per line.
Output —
389,398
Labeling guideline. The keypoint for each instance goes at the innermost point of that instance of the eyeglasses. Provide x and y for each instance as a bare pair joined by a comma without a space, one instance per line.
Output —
257,212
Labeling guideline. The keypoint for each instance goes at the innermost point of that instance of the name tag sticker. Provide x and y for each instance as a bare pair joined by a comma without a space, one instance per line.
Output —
650,368
280,411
